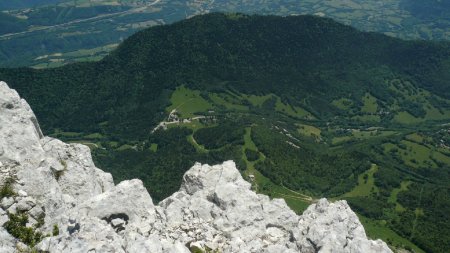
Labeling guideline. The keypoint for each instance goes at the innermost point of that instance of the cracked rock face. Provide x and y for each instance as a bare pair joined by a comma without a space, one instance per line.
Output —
214,208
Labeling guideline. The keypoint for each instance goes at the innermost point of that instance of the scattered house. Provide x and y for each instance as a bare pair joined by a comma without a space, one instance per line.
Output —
173,116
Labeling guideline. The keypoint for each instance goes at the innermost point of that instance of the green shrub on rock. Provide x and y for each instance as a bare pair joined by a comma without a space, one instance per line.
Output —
16,226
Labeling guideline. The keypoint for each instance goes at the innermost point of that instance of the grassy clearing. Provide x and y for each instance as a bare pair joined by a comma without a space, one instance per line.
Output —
257,100
281,107
51,64
370,104
358,135
293,111
443,151
194,125
342,103
370,134
309,130
154,147
40,66
188,102
113,144
367,118
248,142
366,184
340,140
88,143
296,201
94,136
124,147
413,155
416,155
440,157
415,137
379,230
393,197
421,96
66,134
89,52
59,59
91,146
406,118
198,147
434,114
228,102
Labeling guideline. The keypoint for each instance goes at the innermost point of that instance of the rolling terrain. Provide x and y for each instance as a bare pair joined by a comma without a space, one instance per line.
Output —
52,33
307,108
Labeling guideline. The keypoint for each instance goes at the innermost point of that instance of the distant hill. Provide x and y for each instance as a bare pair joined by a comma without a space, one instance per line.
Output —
307,106
49,37
20,4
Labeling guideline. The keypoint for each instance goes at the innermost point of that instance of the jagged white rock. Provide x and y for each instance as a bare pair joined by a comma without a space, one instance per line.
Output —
214,208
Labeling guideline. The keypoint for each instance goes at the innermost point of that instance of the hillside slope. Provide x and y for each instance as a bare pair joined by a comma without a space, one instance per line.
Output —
294,58
306,107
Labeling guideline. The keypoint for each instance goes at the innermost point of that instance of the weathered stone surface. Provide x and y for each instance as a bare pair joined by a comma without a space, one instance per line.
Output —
3,217
7,242
19,131
214,208
6,202
25,204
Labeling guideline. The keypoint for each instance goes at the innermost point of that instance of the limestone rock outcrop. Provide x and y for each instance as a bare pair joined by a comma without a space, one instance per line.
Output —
58,187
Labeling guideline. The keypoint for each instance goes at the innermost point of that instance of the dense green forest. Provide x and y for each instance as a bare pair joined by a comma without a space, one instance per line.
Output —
319,174
305,106
217,137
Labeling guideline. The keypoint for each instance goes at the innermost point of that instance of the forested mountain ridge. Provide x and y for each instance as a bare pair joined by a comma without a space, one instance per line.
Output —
290,57
307,107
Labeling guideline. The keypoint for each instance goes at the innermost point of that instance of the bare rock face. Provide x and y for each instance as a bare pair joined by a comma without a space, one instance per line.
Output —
214,209
19,131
